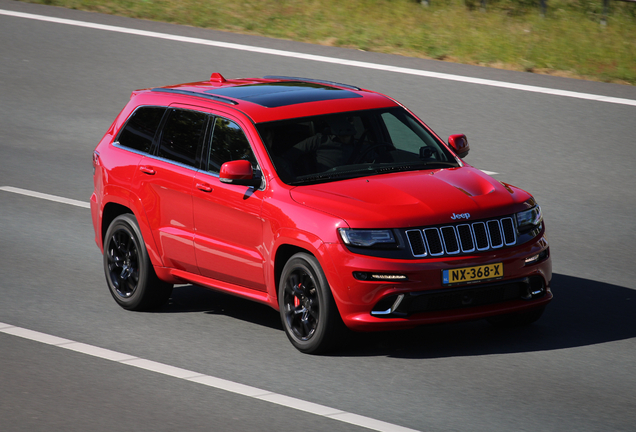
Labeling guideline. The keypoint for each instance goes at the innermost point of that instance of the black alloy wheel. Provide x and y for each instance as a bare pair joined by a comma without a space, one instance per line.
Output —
123,263
131,278
308,312
302,305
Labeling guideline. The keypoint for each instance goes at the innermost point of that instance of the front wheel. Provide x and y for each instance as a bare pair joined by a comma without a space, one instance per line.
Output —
307,309
131,278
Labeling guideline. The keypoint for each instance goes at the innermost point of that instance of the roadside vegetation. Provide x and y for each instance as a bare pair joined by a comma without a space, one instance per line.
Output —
575,38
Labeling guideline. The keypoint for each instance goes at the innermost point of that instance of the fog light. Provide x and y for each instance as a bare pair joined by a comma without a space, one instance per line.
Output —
532,259
366,276
538,257
388,277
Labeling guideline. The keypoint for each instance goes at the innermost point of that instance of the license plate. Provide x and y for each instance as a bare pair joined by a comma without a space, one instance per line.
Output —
472,274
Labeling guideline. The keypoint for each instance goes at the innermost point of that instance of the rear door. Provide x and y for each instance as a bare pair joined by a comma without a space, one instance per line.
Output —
165,181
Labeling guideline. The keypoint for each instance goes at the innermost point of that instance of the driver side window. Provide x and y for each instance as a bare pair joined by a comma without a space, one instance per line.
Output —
228,143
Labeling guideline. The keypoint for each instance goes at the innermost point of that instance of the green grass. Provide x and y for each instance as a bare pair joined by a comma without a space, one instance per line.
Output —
509,34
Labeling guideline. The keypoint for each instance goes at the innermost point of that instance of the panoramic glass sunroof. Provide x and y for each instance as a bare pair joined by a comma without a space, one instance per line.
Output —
278,94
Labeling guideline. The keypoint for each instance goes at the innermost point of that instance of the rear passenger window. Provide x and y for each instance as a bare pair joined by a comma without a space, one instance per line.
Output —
182,136
141,128
228,143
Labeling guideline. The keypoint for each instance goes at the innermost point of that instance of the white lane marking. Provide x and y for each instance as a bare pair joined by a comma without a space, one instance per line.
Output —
324,59
161,368
45,196
97,351
207,380
230,386
33,335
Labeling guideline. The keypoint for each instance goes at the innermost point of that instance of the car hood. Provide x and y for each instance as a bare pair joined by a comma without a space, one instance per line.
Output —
414,198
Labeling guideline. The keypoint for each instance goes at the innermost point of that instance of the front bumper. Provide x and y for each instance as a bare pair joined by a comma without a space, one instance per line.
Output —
422,298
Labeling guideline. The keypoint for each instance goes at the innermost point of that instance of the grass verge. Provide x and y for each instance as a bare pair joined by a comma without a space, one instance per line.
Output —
510,34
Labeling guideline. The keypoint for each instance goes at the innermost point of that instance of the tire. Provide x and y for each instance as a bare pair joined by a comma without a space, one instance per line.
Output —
519,319
130,275
308,312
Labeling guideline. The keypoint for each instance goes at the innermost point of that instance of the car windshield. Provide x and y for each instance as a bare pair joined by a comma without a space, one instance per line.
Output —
352,144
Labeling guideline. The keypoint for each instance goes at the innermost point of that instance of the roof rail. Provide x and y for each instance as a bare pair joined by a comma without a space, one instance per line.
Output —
195,94
277,77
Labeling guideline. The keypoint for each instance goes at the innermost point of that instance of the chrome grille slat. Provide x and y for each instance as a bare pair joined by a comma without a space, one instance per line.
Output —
416,241
494,232
462,238
434,242
510,233
481,236
466,238
449,237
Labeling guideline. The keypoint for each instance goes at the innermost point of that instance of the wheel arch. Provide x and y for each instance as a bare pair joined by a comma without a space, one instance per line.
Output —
114,209
110,212
316,249
283,254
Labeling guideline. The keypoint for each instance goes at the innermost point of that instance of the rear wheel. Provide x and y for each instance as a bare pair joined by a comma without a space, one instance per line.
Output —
307,309
131,278
518,319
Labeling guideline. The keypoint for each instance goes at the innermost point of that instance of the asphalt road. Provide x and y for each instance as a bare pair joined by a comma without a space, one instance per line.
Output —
62,85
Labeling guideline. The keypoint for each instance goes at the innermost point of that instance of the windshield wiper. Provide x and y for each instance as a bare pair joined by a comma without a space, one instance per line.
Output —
408,166
442,163
411,166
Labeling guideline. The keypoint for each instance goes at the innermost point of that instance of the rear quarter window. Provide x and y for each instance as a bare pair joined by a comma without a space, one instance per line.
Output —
141,128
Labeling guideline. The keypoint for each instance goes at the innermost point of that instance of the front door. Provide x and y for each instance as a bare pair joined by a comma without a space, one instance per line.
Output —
228,228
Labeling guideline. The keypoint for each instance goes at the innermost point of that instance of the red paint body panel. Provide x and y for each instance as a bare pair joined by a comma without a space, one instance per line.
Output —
414,198
167,201
425,275
229,233
229,237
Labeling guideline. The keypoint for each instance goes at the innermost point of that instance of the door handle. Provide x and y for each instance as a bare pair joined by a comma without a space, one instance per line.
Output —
204,187
147,170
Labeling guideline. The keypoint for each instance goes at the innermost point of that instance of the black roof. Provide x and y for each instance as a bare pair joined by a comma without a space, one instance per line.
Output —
284,93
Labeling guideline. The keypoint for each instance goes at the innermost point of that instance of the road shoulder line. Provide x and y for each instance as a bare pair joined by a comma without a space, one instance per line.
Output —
45,196
324,59
207,380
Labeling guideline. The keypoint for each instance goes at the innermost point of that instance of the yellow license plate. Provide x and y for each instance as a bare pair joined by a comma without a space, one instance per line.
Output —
472,274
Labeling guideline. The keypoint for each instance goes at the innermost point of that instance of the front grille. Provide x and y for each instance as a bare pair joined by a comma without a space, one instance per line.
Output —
462,238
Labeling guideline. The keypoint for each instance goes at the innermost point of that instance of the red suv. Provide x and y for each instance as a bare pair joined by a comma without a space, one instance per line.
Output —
335,205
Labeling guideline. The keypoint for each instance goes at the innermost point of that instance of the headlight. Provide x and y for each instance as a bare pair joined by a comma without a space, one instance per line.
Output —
529,219
366,238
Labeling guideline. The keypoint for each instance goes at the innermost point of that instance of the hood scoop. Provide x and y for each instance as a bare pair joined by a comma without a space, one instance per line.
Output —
469,182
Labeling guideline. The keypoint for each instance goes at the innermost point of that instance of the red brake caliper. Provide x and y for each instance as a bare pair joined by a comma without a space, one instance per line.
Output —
296,299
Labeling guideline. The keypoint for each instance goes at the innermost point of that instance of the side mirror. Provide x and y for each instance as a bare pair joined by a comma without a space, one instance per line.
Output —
239,172
459,144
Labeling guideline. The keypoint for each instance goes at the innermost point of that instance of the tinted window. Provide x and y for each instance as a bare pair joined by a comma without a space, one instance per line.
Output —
182,136
351,144
405,133
141,128
228,143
